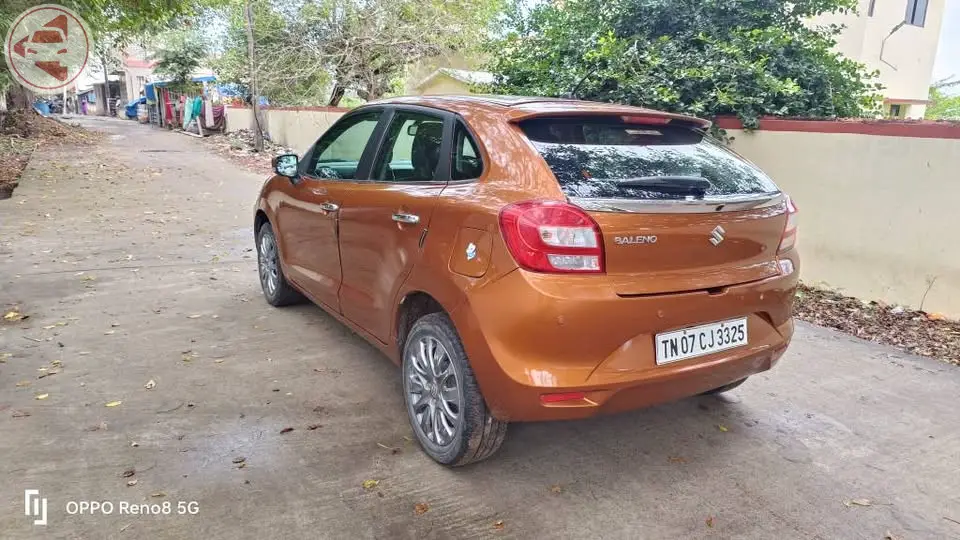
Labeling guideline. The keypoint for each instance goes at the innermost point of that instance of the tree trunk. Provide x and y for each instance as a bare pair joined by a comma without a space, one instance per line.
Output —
336,95
21,98
254,95
105,110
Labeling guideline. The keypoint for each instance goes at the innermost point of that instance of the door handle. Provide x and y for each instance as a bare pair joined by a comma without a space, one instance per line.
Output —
410,219
329,207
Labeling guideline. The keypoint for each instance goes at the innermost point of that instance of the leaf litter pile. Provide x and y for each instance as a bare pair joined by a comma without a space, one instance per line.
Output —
22,132
916,332
238,147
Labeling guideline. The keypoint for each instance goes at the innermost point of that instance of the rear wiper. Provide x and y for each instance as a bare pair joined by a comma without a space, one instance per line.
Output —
667,183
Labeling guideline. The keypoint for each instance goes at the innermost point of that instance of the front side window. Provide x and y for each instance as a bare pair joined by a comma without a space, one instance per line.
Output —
467,164
411,150
337,154
610,158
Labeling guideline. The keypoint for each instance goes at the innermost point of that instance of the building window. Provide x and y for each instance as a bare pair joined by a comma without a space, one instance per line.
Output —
916,12
870,8
895,110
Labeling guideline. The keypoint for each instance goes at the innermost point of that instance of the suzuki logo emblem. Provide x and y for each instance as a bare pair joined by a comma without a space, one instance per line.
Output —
716,235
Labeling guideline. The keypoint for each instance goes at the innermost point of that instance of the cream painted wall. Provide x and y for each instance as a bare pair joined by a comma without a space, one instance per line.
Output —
878,214
296,129
908,56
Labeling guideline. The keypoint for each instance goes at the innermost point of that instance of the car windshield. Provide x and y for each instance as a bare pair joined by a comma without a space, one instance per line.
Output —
609,158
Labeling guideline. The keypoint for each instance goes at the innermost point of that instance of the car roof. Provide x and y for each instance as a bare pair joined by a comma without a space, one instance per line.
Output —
518,108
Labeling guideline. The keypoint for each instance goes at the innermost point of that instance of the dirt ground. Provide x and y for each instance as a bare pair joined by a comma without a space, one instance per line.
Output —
149,370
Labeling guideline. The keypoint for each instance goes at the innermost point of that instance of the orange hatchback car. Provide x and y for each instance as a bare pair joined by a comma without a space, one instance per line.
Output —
528,259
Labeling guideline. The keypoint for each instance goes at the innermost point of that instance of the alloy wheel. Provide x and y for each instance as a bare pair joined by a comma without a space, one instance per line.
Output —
433,391
269,270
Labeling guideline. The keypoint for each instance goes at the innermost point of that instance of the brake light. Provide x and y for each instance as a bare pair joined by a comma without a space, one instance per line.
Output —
552,237
648,120
789,238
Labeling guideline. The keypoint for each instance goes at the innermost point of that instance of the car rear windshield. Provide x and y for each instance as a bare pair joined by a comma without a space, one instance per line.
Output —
611,158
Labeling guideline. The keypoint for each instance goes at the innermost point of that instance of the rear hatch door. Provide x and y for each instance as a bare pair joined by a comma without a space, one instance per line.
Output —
677,211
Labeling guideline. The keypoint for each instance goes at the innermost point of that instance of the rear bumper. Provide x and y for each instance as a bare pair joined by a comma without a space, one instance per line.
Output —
528,335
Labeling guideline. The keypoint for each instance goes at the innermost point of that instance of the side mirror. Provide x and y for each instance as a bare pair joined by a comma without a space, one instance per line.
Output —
286,165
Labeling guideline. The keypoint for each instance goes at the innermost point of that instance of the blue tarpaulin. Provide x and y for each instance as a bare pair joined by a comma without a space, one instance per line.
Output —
132,106
150,93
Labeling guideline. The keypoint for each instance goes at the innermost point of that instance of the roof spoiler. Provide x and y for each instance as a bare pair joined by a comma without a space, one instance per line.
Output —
630,115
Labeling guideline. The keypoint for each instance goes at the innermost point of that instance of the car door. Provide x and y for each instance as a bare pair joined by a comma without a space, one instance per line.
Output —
383,222
308,219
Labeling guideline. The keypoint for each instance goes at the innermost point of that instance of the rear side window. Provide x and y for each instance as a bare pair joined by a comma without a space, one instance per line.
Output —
466,158
608,158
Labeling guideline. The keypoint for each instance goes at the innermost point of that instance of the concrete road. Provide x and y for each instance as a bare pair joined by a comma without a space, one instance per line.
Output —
134,262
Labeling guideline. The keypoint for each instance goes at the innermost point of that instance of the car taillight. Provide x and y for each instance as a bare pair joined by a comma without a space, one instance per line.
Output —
552,237
789,237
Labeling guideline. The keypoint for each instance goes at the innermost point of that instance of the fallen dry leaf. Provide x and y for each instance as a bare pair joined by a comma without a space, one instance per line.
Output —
194,316
20,414
42,396
890,536
859,502
722,428
158,494
151,384
312,427
498,525
239,459
286,430
128,473
131,483
22,384
557,488
676,459
113,404
420,508
709,521
134,444
370,484
13,316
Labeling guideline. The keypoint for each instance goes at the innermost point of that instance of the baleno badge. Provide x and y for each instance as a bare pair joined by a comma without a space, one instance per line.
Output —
630,240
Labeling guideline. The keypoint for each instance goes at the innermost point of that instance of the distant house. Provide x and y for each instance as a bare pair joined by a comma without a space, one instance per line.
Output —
452,81
899,38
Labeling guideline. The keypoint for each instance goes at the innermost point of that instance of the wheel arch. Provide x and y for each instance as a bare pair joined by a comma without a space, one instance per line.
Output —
258,220
414,305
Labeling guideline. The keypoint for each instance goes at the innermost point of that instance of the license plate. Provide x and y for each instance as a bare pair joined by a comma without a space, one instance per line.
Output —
700,340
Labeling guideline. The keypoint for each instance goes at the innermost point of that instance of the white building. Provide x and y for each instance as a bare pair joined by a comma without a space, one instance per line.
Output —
899,38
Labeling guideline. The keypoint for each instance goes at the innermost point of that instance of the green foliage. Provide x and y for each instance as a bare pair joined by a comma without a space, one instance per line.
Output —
702,57
309,49
942,106
180,54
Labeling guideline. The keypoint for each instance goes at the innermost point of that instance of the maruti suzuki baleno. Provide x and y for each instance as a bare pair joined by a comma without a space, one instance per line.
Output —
527,259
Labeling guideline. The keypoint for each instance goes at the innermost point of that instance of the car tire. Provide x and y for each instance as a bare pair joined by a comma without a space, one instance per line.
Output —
725,388
276,289
434,365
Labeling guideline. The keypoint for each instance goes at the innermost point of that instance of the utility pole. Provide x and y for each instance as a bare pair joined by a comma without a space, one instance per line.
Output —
254,95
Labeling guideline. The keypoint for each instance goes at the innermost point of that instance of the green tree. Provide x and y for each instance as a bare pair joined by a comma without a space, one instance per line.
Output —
702,57
942,105
179,54
313,51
